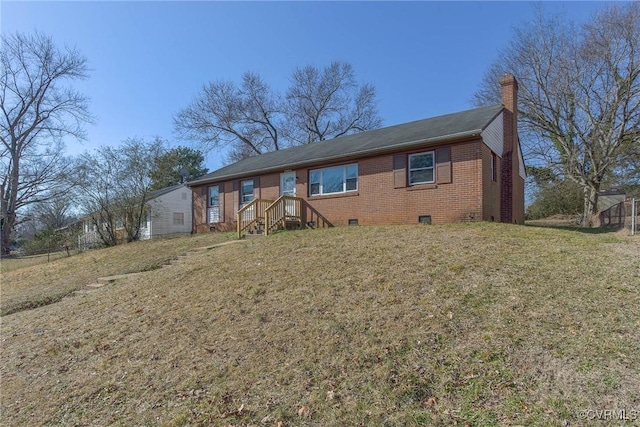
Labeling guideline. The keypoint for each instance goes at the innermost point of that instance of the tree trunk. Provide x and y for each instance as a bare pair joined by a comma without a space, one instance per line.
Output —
590,205
9,197
7,228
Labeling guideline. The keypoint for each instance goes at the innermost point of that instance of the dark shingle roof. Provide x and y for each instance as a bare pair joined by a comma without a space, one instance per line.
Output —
161,192
432,130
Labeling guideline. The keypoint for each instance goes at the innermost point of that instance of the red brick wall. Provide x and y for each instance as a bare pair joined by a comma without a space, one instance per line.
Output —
512,205
378,202
469,197
518,199
490,188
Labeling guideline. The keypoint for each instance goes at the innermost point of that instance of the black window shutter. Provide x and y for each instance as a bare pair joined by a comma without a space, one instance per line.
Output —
236,197
399,170
443,165
221,201
256,187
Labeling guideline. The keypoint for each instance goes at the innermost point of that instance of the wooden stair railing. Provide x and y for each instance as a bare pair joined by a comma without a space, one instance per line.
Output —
284,209
251,214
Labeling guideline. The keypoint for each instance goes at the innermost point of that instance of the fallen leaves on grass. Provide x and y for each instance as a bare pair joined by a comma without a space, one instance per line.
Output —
357,326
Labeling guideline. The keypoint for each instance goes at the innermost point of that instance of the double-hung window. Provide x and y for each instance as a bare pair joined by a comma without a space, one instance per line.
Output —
336,179
246,189
421,170
213,211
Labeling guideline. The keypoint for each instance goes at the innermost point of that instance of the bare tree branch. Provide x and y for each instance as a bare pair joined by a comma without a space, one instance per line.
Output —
253,119
328,103
37,110
579,93
224,114
116,184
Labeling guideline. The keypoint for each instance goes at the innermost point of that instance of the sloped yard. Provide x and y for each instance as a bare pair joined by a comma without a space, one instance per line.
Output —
472,324
47,282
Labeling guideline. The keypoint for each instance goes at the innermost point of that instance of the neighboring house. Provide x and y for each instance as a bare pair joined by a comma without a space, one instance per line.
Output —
88,237
169,212
465,166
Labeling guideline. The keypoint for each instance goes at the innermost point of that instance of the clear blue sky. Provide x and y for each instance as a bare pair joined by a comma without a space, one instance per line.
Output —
149,59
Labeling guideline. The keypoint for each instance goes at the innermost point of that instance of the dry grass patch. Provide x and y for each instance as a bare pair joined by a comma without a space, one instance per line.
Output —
477,324
16,263
29,284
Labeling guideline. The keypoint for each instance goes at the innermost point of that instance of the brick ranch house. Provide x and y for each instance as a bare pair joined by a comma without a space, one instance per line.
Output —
465,166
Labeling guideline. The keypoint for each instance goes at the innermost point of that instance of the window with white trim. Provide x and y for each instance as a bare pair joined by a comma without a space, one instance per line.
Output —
213,211
336,179
246,189
421,168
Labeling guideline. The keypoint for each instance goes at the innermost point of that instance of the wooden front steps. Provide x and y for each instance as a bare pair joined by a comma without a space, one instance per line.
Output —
262,216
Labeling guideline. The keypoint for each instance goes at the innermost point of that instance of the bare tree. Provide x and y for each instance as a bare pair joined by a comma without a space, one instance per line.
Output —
243,117
626,173
579,93
49,224
55,212
253,119
37,111
116,185
328,103
98,194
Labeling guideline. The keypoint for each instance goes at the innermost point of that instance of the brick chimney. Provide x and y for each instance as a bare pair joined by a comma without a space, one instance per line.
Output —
510,155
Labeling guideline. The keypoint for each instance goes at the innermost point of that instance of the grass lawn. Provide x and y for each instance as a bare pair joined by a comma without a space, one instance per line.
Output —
46,282
467,324
15,262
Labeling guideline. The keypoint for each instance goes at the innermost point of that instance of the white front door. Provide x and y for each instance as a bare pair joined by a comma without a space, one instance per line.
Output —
288,184
288,188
